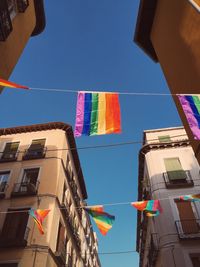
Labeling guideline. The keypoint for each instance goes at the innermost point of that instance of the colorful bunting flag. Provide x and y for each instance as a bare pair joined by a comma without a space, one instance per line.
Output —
191,108
38,216
11,84
191,198
97,113
151,207
103,220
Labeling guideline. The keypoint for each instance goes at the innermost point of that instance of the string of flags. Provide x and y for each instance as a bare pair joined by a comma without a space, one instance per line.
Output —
191,108
104,221
38,216
98,113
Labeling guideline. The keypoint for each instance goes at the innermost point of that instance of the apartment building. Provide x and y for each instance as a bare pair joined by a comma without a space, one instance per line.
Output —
40,168
168,31
19,20
167,170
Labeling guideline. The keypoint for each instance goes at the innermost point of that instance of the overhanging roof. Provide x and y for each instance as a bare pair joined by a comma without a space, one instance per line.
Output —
40,17
144,24
52,126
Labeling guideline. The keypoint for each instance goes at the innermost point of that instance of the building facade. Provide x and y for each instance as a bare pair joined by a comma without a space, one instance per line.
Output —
40,168
168,31
167,170
19,19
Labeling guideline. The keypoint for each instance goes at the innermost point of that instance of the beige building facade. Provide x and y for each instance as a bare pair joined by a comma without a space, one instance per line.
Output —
40,168
19,20
167,170
168,31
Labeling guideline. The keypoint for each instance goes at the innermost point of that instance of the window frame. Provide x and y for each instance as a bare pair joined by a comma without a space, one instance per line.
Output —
4,171
4,147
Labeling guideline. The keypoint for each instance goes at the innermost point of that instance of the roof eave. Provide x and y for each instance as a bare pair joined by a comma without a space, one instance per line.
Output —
40,17
144,24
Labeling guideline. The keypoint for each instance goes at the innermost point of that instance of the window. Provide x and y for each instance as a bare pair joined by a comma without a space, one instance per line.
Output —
15,231
61,244
195,260
174,170
164,138
29,183
10,152
3,181
36,150
188,225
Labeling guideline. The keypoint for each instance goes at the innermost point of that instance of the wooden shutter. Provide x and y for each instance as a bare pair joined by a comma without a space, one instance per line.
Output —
164,138
187,217
14,226
37,144
174,169
11,147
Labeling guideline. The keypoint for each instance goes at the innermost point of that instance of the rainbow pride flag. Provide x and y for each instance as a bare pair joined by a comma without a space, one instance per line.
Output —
11,84
191,108
103,220
38,216
191,198
151,207
97,113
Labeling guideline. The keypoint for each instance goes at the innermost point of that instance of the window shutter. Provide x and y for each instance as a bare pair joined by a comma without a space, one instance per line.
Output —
164,138
174,169
187,217
37,144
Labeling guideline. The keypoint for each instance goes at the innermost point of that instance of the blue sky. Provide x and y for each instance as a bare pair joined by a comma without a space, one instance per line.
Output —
87,45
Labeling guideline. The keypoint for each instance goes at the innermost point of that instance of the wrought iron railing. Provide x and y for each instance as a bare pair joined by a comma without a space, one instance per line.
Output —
188,229
25,188
34,153
186,181
8,156
5,21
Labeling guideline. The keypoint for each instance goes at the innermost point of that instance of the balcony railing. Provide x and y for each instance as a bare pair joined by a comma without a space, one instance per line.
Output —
188,229
34,153
7,242
9,156
3,187
25,188
5,21
22,5
177,183
60,254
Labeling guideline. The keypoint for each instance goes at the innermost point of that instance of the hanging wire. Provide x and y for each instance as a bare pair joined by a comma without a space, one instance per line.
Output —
119,92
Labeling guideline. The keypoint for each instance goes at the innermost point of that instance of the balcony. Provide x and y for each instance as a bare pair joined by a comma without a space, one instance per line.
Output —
8,242
186,181
5,21
9,156
60,254
22,5
3,187
188,229
34,153
25,189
